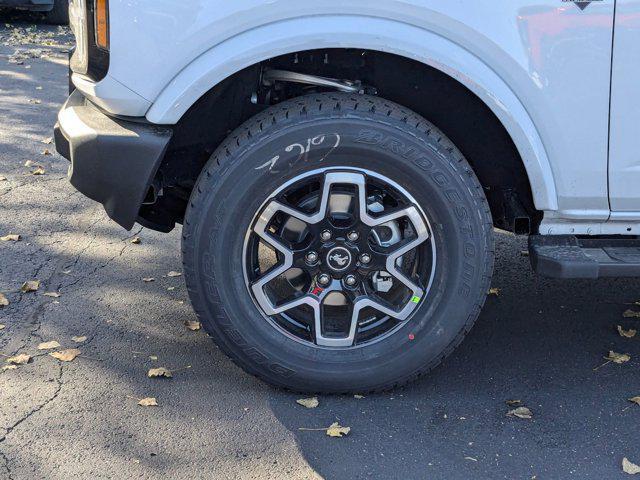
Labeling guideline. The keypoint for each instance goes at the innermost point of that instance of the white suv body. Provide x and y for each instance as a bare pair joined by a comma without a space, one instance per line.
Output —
550,70
413,126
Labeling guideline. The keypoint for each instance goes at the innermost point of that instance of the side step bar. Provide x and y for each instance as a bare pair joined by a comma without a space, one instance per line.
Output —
566,256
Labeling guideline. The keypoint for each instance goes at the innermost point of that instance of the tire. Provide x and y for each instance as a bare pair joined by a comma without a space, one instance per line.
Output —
375,136
59,14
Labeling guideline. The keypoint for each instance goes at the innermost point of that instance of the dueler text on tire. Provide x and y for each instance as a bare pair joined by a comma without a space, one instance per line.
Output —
337,243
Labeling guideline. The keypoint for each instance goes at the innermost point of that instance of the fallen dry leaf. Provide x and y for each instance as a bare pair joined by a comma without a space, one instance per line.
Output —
136,240
4,301
153,357
47,141
631,314
336,430
30,286
29,163
627,333
19,359
513,403
12,237
67,355
148,402
635,400
48,345
617,357
38,171
52,294
9,367
3,178
2,326
171,289
148,279
358,396
520,412
46,152
494,291
159,372
79,339
629,467
173,274
192,325
308,402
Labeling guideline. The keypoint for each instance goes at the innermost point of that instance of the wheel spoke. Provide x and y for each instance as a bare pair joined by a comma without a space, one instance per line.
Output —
393,257
410,212
305,300
332,341
364,302
261,230
330,179
422,234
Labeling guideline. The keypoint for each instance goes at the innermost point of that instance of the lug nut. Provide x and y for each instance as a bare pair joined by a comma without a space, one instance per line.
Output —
311,258
350,280
325,235
365,258
324,279
353,236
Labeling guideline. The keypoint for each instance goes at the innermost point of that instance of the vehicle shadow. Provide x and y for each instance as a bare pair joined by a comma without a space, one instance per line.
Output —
538,341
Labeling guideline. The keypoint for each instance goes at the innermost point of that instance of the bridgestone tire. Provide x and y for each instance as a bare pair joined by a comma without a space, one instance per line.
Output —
376,135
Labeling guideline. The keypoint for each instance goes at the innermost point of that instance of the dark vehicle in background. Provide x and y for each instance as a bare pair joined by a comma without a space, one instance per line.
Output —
56,11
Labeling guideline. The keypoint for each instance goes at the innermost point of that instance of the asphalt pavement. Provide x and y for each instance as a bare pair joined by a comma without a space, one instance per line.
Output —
537,341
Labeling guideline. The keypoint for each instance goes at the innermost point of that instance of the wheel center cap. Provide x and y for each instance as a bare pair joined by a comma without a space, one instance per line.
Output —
339,259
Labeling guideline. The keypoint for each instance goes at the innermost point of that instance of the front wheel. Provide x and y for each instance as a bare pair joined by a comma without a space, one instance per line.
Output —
337,243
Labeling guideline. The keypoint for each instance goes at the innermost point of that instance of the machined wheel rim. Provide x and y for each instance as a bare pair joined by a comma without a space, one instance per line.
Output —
339,258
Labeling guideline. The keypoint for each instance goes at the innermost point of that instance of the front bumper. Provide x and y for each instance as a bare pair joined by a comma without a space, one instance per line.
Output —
113,161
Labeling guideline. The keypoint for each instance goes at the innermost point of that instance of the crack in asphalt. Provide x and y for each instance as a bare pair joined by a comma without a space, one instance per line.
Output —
6,465
103,265
11,428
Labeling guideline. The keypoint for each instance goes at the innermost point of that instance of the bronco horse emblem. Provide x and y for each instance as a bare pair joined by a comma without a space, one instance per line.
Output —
339,259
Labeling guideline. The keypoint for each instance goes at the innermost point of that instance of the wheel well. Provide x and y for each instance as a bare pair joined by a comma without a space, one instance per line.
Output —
441,99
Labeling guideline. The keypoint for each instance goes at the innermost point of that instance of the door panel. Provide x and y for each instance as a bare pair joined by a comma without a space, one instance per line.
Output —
624,149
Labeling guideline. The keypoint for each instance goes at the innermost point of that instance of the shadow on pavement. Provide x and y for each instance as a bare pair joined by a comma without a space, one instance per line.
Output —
538,341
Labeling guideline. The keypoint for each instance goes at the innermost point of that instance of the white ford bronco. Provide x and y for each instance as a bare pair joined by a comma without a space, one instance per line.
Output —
339,166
